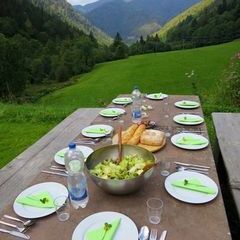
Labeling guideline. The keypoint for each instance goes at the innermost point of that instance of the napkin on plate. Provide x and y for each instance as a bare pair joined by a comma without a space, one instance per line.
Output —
157,95
39,200
193,184
187,103
189,140
110,112
189,119
61,153
98,234
97,131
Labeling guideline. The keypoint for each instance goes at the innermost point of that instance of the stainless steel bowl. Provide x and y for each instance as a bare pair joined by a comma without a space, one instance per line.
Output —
118,187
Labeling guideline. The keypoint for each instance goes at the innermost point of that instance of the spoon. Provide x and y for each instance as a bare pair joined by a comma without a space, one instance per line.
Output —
143,233
26,223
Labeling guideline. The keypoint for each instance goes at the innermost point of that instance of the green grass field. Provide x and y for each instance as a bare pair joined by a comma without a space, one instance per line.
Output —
22,125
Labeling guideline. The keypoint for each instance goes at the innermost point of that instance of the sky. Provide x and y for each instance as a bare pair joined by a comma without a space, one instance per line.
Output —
82,2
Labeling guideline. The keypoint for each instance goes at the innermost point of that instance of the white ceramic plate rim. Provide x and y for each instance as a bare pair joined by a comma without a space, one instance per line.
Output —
55,189
151,96
116,100
85,150
127,228
188,195
95,135
177,104
119,110
174,139
176,119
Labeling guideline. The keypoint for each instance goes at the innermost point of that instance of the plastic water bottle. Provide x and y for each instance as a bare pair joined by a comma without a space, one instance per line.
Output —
136,105
77,182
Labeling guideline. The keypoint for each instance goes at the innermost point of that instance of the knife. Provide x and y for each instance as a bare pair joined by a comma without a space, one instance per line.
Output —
55,173
163,235
15,233
191,165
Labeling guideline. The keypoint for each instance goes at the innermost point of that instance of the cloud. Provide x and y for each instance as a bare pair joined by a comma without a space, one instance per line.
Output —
82,2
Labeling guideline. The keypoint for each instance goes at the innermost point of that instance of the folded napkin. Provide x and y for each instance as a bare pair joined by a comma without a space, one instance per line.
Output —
189,119
189,140
110,112
61,153
193,184
39,200
102,234
97,130
123,100
188,103
157,95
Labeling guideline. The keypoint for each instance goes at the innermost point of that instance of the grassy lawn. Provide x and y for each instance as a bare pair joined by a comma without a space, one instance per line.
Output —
21,125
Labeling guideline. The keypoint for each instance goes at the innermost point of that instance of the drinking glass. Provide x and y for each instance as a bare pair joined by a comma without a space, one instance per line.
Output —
165,168
154,209
62,207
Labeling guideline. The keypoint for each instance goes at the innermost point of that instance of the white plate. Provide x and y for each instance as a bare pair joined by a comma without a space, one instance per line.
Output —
178,104
108,128
176,137
127,229
180,116
118,111
153,97
188,195
55,189
85,150
122,100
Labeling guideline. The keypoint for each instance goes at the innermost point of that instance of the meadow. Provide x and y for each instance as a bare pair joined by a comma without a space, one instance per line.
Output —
168,72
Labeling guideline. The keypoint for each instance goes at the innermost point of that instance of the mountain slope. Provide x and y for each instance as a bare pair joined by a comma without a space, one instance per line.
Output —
74,18
91,6
126,17
193,10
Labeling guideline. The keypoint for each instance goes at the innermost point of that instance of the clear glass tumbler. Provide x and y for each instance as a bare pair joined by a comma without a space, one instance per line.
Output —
154,209
62,207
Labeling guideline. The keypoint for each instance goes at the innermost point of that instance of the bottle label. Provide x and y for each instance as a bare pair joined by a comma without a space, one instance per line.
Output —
136,114
75,165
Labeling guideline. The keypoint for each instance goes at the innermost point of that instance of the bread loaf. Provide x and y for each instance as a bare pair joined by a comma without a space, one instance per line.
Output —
134,140
126,135
152,137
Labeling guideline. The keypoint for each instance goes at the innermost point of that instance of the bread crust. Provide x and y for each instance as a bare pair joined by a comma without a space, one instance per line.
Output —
134,140
126,135
152,137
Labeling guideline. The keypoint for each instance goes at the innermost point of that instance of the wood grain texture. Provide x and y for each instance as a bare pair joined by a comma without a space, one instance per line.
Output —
227,127
20,172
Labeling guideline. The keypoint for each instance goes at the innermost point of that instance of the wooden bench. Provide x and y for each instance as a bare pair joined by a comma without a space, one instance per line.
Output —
227,126
20,172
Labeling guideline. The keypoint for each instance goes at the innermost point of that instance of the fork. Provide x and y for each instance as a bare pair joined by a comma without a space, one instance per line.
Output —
26,223
20,229
153,234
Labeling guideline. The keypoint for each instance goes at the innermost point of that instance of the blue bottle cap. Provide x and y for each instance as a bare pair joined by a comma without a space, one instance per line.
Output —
72,145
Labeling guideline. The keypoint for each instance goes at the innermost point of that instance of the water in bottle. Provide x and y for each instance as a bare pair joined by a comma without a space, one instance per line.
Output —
77,182
136,105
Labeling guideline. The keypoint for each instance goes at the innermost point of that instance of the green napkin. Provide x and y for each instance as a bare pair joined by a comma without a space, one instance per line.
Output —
193,184
188,103
102,234
110,112
97,130
40,200
61,153
122,100
189,119
157,95
189,140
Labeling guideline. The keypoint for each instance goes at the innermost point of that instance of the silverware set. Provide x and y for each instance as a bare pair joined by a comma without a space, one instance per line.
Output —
144,234
19,231
56,170
192,167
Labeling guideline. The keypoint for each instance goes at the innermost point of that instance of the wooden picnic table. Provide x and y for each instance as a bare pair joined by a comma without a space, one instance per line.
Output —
182,220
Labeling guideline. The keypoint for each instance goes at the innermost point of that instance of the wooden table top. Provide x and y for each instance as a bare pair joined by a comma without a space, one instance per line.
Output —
182,220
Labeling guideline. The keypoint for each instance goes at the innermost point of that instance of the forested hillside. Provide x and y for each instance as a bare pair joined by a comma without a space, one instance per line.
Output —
67,13
38,47
218,23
